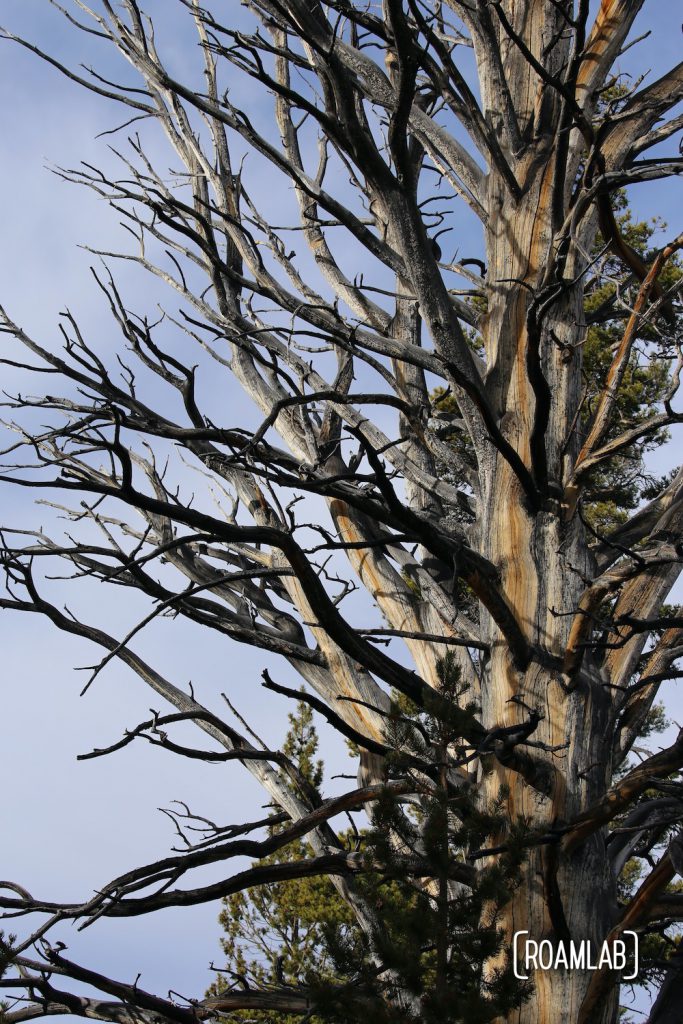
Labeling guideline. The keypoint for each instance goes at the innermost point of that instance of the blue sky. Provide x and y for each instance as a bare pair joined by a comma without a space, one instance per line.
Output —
69,826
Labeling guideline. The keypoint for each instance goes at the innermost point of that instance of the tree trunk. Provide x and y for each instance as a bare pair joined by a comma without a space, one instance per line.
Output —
544,563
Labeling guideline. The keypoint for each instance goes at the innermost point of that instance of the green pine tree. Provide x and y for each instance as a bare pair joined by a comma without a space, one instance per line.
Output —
616,490
275,934
435,933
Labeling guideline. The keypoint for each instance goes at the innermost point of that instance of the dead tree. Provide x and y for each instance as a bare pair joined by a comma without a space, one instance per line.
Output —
427,431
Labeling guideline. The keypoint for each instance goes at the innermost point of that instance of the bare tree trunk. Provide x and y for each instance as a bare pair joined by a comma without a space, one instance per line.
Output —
543,563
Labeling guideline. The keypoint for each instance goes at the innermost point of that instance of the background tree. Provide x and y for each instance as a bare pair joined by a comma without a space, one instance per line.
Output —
274,934
472,520
429,933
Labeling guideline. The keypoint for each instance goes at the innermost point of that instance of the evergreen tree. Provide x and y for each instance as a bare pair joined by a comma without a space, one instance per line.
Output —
275,934
435,934
616,487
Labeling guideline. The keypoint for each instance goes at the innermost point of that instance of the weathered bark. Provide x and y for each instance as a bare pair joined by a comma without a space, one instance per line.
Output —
543,561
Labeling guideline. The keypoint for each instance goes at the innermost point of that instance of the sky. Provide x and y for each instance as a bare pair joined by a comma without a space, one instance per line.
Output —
69,826
66,825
